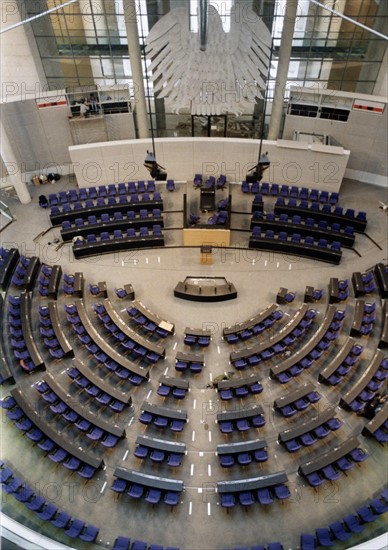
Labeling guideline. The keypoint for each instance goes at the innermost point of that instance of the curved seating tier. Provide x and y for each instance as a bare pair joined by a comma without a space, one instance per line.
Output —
286,336
176,387
239,388
242,453
146,319
292,191
102,206
111,190
346,359
297,400
160,450
189,362
101,350
52,332
325,212
163,417
63,404
8,262
59,448
260,489
304,357
154,488
241,420
106,245
254,326
378,426
286,243
45,510
309,226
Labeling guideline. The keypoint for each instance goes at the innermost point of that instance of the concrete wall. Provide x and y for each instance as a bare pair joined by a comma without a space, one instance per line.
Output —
292,163
365,133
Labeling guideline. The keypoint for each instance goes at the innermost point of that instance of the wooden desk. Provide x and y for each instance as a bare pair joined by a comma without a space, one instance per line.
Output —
78,285
289,398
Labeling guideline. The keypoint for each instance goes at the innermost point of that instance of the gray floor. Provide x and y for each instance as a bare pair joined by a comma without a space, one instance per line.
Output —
199,522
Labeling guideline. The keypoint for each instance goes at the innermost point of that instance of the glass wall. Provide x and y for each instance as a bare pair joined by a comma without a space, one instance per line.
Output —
85,43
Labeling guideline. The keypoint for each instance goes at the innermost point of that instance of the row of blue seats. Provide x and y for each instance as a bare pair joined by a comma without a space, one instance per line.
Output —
20,271
333,471
258,328
165,391
368,393
349,525
241,391
110,190
101,202
241,424
150,494
94,349
54,452
292,191
346,365
46,330
195,367
300,404
369,284
124,543
316,207
158,456
73,527
129,344
210,183
295,238
94,392
263,496
243,458
297,220
160,421
254,359
18,343
328,339
92,431
148,325
191,340
309,438
118,234
106,218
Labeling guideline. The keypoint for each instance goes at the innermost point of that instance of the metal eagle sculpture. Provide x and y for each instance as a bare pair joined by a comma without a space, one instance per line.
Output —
221,73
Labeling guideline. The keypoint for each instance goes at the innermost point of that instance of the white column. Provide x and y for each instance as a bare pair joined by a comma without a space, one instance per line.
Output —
130,17
14,172
282,72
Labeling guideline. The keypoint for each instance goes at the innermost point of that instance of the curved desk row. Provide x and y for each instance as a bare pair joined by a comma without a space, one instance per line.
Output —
100,383
305,230
153,318
329,457
58,218
384,333
241,447
25,315
250,323
308,347
131,334
296,249
344,221
154,482
58,438
102,344
381,276
5,371
307,426
365,378
82,411
115,245
258,348
336,361
291,397
8,267
58,330
97,228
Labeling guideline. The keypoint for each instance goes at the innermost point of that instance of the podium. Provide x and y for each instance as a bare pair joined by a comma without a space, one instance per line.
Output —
206,254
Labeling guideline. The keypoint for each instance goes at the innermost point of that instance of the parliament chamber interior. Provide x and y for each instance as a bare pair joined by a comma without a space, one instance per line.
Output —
193,352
